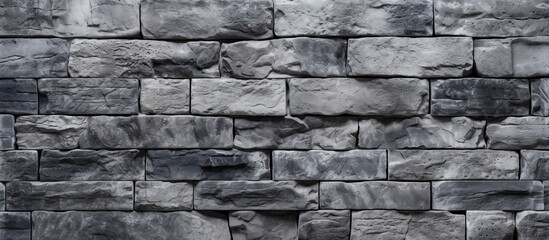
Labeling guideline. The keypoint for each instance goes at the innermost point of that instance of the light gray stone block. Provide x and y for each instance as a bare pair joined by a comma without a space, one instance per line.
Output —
163,196
49,132
18,165
336,96
18,96
324,225
546,195
33,58
532,225
15,225
534,165
540,96
247,225
165,96
2,197
7,132
490,225
518,133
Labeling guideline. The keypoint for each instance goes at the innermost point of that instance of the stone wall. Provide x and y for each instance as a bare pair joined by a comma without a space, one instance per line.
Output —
274,119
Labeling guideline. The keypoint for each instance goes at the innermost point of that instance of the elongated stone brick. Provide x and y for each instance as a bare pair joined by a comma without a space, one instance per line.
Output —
163,196
18,96
165,96
534,165
15,225
18,165
49,132
33,58
2,197
518,133
7,132
263,225
532,225
540,96
490,225
324,225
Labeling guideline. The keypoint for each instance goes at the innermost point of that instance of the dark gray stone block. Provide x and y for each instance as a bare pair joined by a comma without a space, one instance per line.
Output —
33,58
18,96
532,225
2,197
49,132
534,165
15,225
490,225
247,225
163,196
324,225
518,133
7,132
18,165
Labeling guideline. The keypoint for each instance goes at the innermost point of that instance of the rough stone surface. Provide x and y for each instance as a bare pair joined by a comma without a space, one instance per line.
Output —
534,165
7,132
421,132
282,58
33,58
488,195
207,164
238,97
49,132
532,225
375,195
336,96
324,225
540,96
61,196
452,164
165,96
331,133
518,133
18,96
90,165
247,225
412,57
2,197
163,196
329,165
157,132
15,225
18,165
491,18
387,225
130,225
70,18
353,18
201,19
255,195
143,59
480,97
494,225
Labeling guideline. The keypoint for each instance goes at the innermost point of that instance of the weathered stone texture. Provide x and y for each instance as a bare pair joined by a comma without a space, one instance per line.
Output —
255,195
143,59
18,165
421,132
412,57
480,97
375,195
7,132
2,197
329,165
330,133
49,132
282,58
324,225
238,97
534,165
33,58
488,195
18,96
163,196
494,225
247,225
540,96
165,96
207,19
532,225
518,133
336,96
15,225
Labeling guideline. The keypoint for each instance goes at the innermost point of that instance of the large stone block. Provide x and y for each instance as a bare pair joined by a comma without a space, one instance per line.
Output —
421,132
331,133
336,96
165,96
324,225
33,58
490,225
49,132
70,18
532,225
157,132
201,19
15,225
518,133
534,165
143,59
412,57
330,165
61,196
385,224
282,58
130,225
90,165
207,164
238,97
7,132
18,165
353,18
163,196
491,18
375,195
247,225
18,96
488,195
480,97
453,165
540,96
255,195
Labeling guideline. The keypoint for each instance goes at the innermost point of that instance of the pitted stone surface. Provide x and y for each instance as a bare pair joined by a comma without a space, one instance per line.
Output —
165,96
247,225
534,165
163,196
49,132
532,225
18,165
2,197
7,132
518,133
540,96
494,225
15,225
33,58
18,96
324,225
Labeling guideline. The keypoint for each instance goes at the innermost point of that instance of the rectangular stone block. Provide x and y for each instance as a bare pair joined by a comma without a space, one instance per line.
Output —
546,195
540,97
518,133
163,196
534,165
421,132
490,225
330,133
255,195
209,164
412,57
283,58
375,195
90,165
18,96
429,165
353,18
91,58
491,18
336,96
157,132
2,197
70,18
480,97
187,225
488,195
532,225
33,57
330,165
165,96
18,165
7,132
324,225
238,97
247,225
213,19
15,225
49,132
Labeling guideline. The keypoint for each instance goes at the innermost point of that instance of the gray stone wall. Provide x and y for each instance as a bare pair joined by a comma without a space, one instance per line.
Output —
274,119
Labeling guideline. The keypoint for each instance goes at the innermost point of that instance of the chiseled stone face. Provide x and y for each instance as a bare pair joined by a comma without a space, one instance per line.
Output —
353,18
534,165
336,96
324,225
18,96
33,58
49,132
7,132
15,225
207,19
494,225
532,225
2,197
540,96
247,225
165,96
518,133
185,225
18,165
163,196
